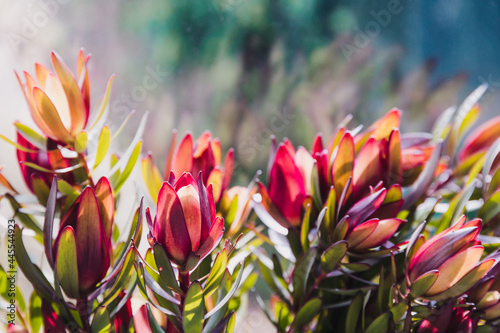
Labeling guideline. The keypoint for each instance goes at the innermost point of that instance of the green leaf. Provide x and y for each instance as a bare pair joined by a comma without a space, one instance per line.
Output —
165,268
214,320
229,294
32,272
333,255
301,274
380,324
399,310
307,313
35,317
153,324
40,189
353,312
304,231
66,263
129,167
424,283
101,322
104,102
33,137
491,208
102,146
194,309
81,141
125,273
216,273
49,221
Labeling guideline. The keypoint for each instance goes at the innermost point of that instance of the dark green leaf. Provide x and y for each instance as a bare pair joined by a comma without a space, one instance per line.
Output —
307,313
165,268
333,255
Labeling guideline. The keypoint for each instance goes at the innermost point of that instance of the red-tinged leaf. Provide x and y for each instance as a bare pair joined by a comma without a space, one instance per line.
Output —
343,165
383,127
420,186
49,222
365,207
395,168
286,186
202,144
269,213
141,320
367,169
384,231
68,270
51,321
361,233
206,207
41,74
49,115
205,163
213,238
439,249
453,269
215,179
28,92
190,202
78,110
466,282
183,156
305,163
228,169
317,146
93,255
481,138
106,202
170,227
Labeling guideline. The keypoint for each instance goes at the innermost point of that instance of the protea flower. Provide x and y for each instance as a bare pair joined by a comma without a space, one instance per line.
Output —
186,224
203,155
36,156
288,184
83,245
448,264
59,103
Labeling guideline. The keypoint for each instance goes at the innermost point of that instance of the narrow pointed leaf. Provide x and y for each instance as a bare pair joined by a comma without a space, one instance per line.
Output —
102,146
66,263
307,313
49,221
424,283
165,268
333,255
216,273
101,322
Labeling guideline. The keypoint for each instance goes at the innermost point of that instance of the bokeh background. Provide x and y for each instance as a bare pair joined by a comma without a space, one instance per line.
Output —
247,69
